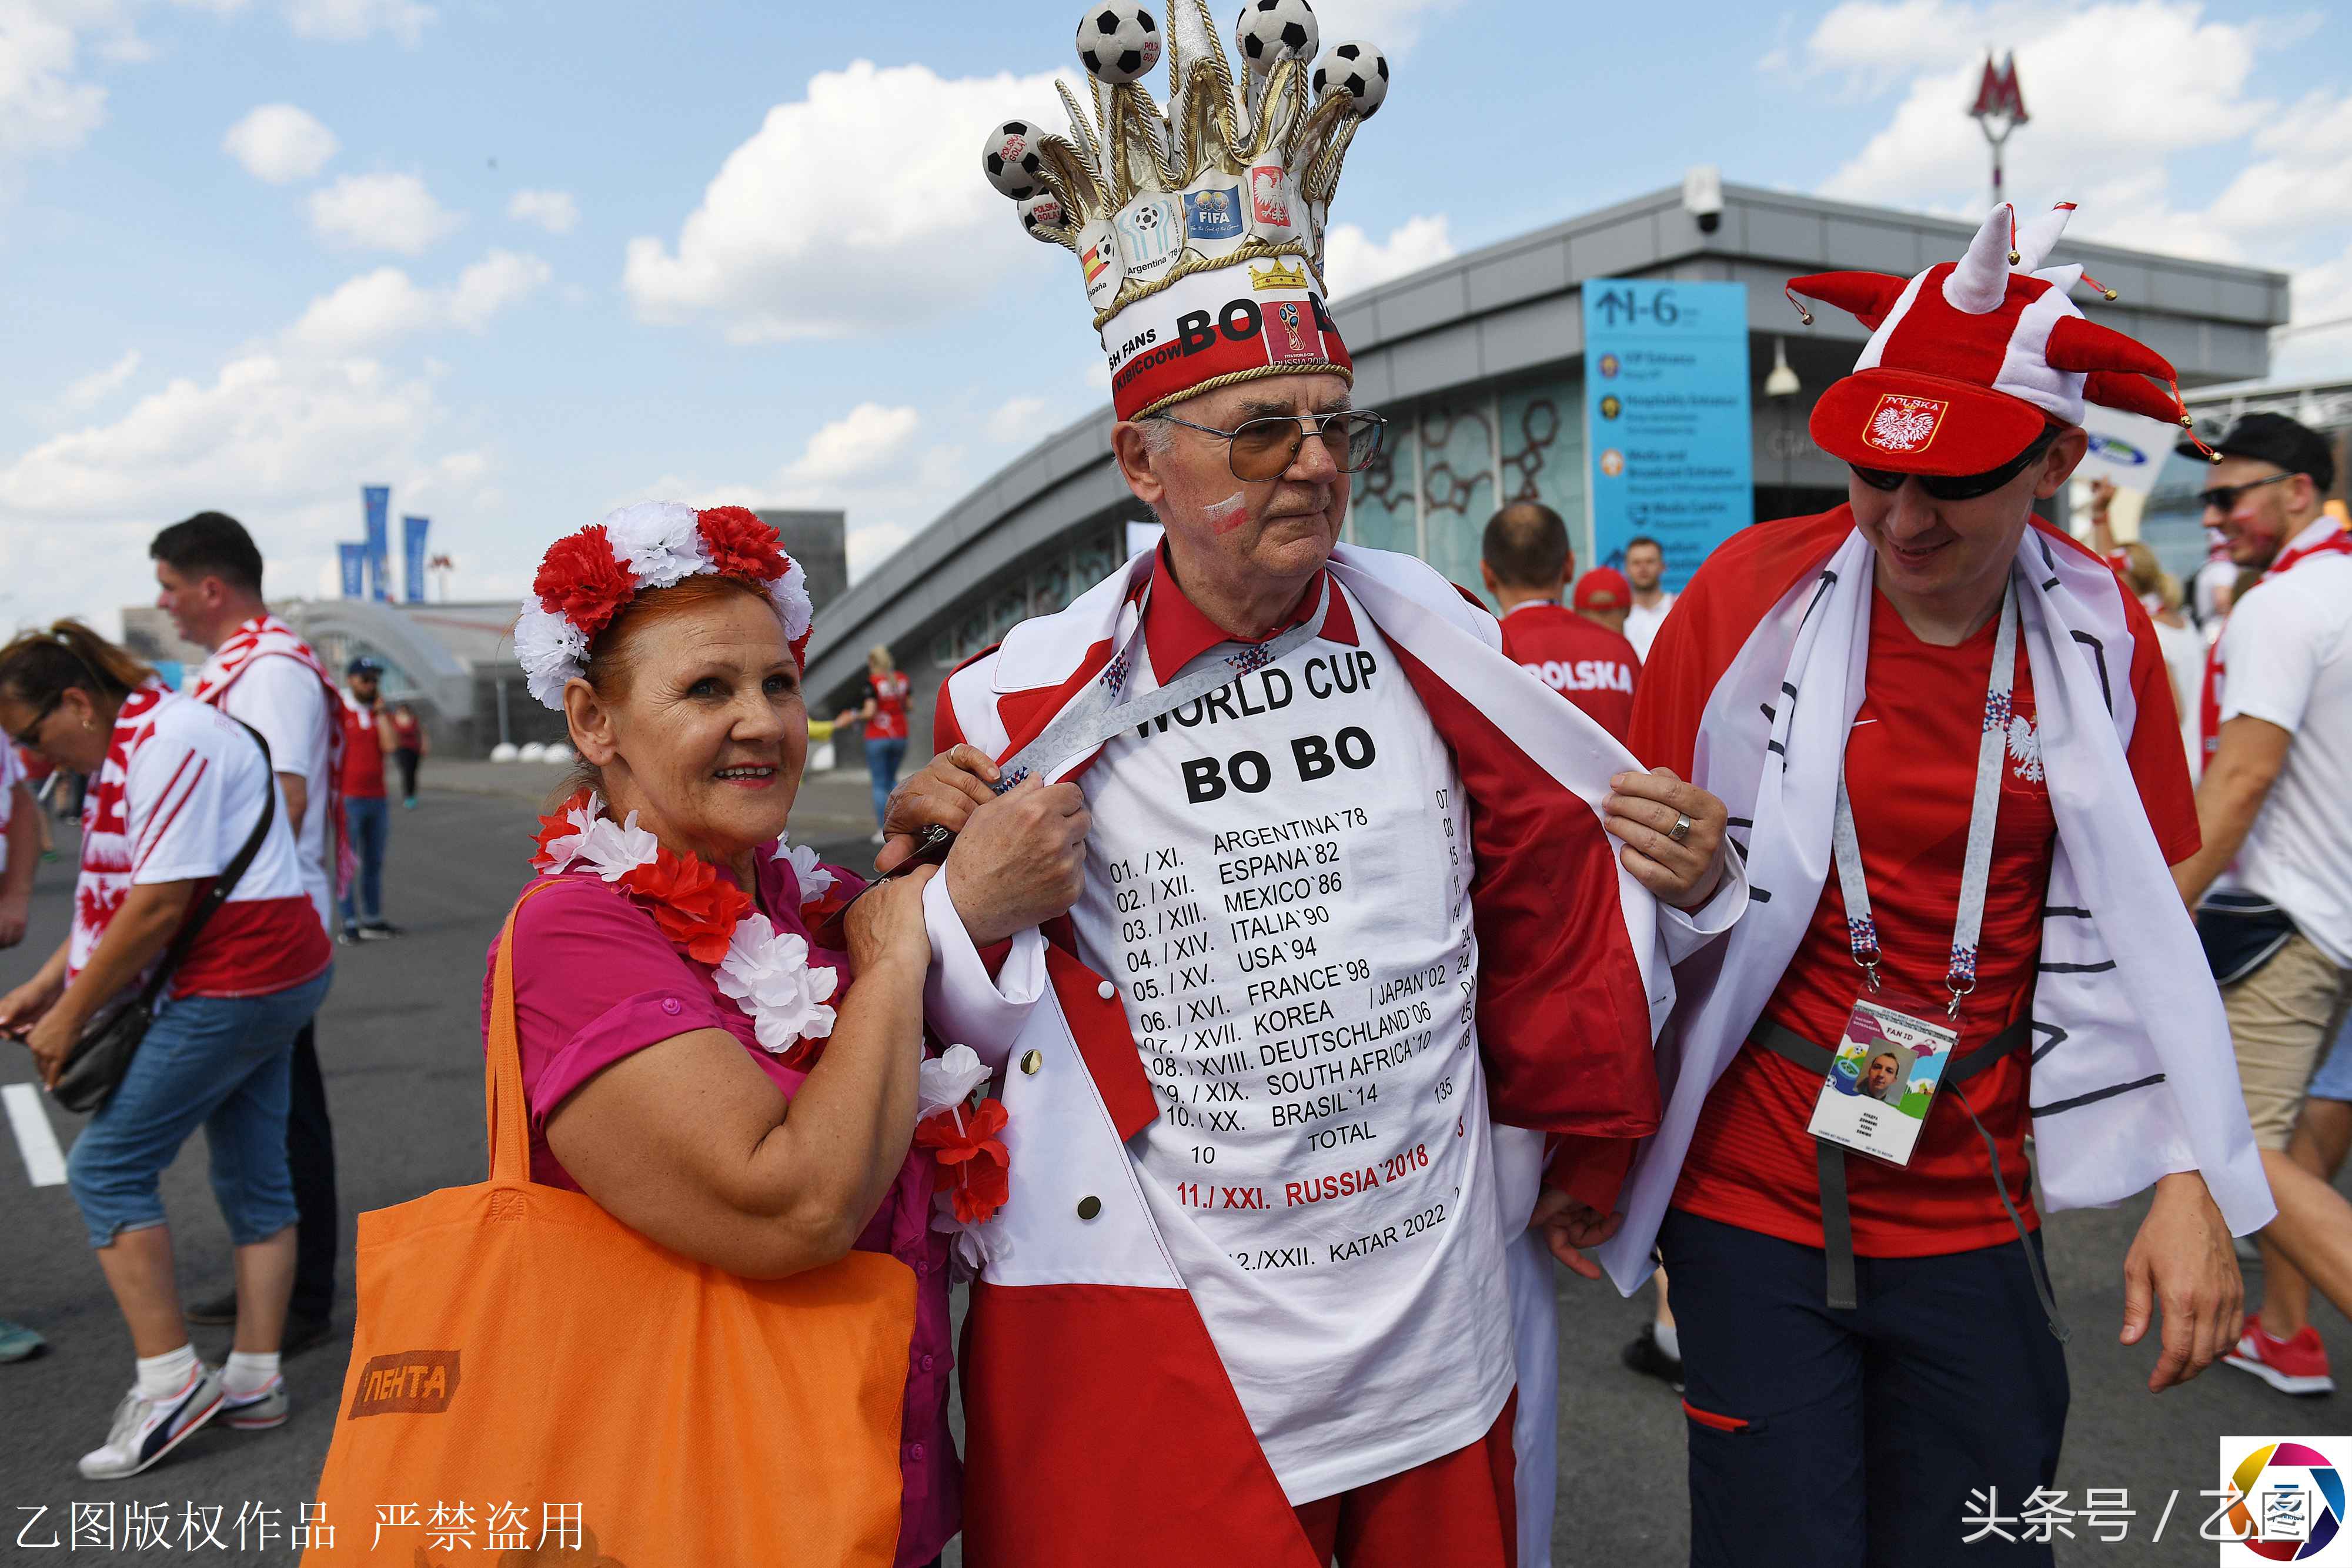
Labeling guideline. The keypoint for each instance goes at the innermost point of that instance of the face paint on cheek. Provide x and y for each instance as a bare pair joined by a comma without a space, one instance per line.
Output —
1227,515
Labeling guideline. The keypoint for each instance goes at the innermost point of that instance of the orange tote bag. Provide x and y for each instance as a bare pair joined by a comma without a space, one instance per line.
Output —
533,1382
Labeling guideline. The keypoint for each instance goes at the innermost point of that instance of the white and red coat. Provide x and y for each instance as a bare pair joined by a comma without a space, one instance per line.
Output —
1086,1365
266,637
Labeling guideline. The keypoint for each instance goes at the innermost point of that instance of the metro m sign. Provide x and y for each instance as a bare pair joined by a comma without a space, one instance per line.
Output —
1997,94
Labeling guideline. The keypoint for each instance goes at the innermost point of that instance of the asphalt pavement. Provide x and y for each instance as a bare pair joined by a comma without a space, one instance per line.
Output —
401,1044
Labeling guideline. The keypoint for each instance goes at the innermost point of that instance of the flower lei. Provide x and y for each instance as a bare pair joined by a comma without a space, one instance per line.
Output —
712,920
768,975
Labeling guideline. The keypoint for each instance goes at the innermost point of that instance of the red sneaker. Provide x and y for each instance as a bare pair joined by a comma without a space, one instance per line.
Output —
2297,1365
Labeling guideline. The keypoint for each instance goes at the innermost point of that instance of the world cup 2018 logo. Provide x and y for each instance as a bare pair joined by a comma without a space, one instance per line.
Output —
2290,1507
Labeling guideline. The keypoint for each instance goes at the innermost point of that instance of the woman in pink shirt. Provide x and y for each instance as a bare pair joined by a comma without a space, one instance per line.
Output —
671,995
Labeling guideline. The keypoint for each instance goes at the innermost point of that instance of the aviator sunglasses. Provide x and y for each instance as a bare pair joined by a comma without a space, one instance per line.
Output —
1961,487
1266,448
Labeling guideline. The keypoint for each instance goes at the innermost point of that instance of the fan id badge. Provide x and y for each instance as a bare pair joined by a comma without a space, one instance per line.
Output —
1881,1081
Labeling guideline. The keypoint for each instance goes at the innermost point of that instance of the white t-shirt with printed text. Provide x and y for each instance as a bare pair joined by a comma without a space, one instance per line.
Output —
1277,879
2286,654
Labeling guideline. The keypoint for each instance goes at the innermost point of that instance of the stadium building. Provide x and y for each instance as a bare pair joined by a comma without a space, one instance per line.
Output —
1478,363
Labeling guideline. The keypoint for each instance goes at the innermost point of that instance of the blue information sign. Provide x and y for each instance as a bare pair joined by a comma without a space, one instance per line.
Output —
1665,417
377,498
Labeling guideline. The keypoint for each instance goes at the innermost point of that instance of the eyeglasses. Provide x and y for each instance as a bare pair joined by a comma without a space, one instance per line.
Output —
2224,498
1961,487
30,736
1264,448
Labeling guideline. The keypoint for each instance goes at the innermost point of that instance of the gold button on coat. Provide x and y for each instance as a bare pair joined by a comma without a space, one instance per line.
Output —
1031,1061
1089,1206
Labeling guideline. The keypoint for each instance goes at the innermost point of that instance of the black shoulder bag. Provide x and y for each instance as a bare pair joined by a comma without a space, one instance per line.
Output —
102,1055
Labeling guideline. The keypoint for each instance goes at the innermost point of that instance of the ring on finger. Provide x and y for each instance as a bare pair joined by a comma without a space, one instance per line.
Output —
1680,831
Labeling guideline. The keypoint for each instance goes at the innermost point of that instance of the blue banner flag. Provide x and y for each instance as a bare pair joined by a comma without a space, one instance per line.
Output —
378,498
354,562
1665,418
412,549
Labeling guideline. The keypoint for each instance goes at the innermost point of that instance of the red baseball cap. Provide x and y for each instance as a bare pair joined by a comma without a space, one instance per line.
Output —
1970,360
1604,587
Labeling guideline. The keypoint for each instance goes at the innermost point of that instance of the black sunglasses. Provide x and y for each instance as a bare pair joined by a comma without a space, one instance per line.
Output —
29,739
1961,487
2224,498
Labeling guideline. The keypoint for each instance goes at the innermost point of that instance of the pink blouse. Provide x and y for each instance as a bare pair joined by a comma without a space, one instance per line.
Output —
594,980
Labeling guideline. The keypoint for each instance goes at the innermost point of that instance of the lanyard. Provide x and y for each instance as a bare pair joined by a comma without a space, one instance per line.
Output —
1096,715
1992,748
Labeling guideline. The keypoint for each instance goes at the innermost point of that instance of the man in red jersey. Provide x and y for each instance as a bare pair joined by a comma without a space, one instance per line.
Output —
1951,757
1527,563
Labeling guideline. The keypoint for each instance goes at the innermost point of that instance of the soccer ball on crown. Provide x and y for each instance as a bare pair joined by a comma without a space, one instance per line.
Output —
1010,158
1358,70
1042,211
1118,40
1267,30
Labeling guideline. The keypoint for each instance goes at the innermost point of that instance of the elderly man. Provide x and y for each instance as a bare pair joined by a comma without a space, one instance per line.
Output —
1368,913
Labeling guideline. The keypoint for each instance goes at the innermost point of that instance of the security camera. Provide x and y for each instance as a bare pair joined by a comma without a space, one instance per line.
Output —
1703,196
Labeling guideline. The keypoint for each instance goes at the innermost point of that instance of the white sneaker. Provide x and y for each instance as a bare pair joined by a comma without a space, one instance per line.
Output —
263,1408
144,1431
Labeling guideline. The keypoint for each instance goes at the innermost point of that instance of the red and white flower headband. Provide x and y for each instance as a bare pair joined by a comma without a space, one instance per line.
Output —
588,578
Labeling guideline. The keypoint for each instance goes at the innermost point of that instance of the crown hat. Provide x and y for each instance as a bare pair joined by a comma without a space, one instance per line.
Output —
1199,232
1970,360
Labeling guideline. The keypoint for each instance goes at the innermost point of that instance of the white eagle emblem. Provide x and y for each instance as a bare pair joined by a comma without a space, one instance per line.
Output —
2024,749
1904,424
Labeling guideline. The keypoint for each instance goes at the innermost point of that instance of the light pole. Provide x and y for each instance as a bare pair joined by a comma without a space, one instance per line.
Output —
1781,386
1999,109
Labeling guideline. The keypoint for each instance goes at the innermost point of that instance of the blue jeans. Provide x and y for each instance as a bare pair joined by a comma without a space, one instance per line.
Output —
221,1063
1828,1438
882,759
368,821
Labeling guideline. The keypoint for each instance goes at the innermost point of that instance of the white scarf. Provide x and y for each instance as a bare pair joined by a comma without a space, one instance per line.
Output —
2133,1073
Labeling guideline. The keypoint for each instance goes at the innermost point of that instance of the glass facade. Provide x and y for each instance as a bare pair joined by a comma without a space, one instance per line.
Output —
1448,462
1452,459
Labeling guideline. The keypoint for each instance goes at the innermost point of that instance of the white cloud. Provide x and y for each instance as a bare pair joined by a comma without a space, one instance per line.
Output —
1353,261
280,440
381,212
45,106
279,143
95,388
2169,81
501,278
871,462
371,308
1019,421
860,205
1394,24
553,211
354,20
377,306
863,443
2174,86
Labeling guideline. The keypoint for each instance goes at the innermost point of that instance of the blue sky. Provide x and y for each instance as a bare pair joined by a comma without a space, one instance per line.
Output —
527,261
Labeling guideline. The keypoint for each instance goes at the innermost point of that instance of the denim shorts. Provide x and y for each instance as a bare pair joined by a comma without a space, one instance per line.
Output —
2334,1078
218,1063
